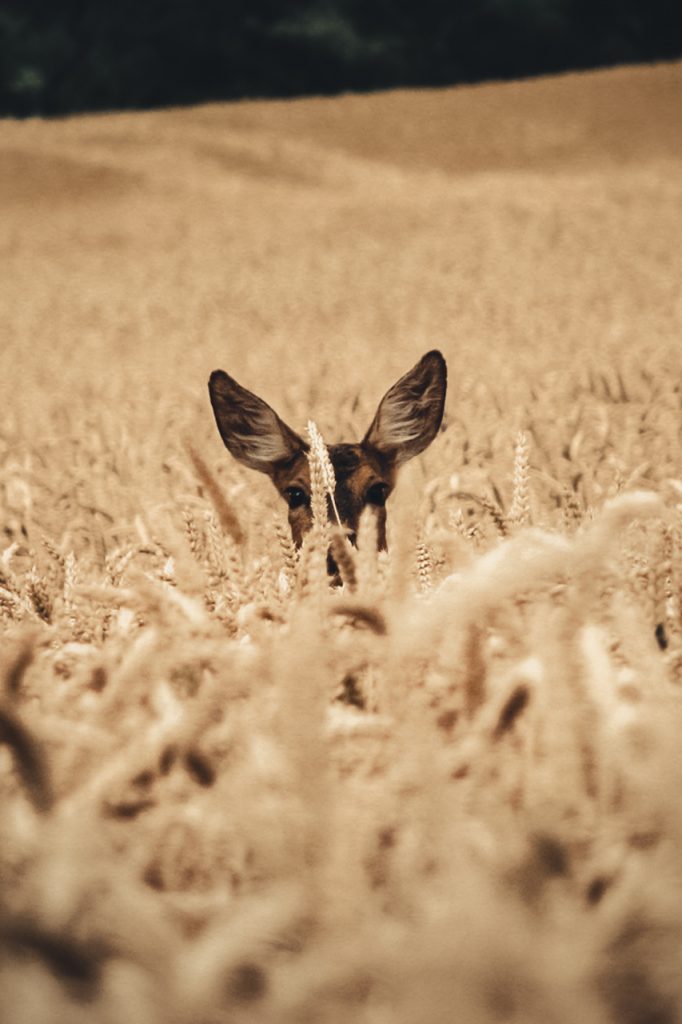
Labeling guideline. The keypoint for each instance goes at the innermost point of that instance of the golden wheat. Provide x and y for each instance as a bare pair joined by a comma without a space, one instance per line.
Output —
448,783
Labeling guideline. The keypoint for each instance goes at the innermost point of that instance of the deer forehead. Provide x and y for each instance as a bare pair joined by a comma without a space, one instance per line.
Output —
356,467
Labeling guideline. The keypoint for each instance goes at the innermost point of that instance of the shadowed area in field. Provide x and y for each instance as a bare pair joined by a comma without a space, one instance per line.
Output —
579,122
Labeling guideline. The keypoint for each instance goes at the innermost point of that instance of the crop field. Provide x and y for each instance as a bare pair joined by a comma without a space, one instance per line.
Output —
449,789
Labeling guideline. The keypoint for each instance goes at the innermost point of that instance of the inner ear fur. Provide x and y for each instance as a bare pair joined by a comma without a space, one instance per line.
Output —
410,413
251,430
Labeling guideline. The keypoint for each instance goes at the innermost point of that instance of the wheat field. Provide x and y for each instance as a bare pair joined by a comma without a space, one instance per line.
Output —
448,790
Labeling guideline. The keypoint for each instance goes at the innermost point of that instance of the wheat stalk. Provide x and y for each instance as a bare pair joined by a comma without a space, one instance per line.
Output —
519,513
315,547
488,506
367,555
320,457
345,558
288,550
424,566
228,518
39,595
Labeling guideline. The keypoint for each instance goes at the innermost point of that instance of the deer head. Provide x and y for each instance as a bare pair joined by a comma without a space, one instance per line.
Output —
405,423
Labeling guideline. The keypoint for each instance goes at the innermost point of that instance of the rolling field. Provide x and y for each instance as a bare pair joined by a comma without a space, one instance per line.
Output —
450,789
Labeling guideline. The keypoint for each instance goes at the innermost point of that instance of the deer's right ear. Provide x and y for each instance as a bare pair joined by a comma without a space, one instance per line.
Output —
410,412
250,429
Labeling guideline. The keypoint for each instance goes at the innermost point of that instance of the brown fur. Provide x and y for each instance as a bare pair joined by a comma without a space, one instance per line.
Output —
406,421
356,468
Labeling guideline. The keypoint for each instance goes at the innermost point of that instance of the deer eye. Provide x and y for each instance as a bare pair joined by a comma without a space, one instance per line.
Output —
296,497
376,495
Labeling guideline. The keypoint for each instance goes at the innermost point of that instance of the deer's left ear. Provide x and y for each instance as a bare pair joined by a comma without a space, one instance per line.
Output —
410,412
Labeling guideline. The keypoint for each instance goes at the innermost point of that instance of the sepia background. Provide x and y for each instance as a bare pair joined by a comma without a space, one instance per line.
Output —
449,788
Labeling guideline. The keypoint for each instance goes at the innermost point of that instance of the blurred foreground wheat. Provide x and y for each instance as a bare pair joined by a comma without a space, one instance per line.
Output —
234,791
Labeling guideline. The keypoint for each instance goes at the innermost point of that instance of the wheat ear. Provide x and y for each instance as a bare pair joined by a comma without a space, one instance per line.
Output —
519,514
319,448
313,564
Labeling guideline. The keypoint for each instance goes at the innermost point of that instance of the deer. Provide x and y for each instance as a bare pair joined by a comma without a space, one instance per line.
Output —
406,421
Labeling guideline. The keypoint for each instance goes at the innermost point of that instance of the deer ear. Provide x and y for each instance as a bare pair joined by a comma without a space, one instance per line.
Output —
250,429
410,412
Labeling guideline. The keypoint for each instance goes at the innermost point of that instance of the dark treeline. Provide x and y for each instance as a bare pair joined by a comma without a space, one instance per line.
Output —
77,55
